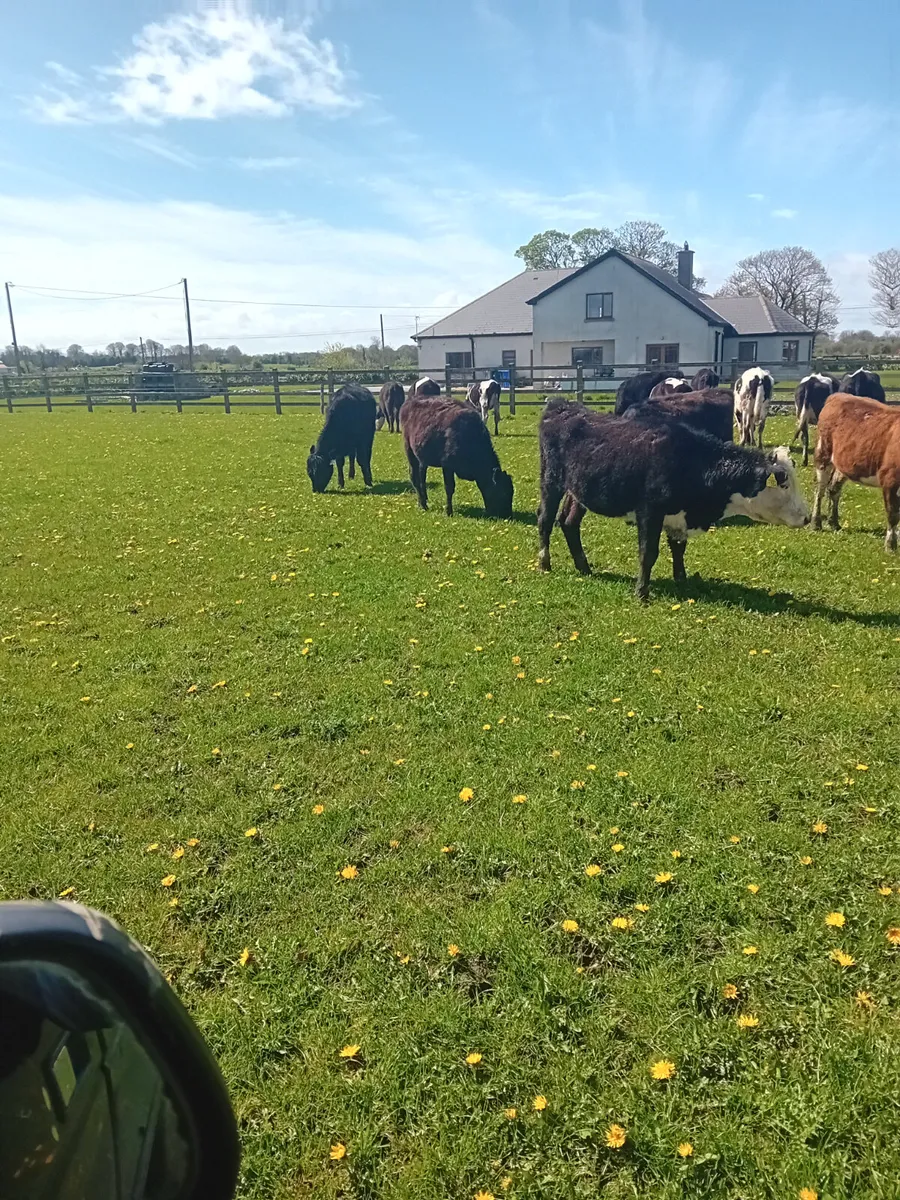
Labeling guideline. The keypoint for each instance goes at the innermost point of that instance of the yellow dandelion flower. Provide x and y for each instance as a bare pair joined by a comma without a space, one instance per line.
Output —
574,635
192,689
453,949
393,843
884,890
751,950
592,870
473,1059
69,891
663,877
539,1103
614,829
861,767
350,1051
193,842
516,660
685,1149
820,827
729,992
864,999
642,908
893,935
569,926
734,839
808,1194
178,852
168,881
215,752
753,888
510,1113
520,675
349,872
662,1069
483,1195
252,832
617,847
154,846
245,958
520,799
174,902
448,849
675,853
842,958
318,809
337,1152
129,745
616,1137
805,861
577,785
748,1021
621,774
622,923
836,920
276,787
466,794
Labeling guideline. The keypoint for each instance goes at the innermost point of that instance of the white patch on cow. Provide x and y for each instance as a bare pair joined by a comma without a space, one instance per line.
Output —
672,381
869,481
774,505
858,371
676,526
424,379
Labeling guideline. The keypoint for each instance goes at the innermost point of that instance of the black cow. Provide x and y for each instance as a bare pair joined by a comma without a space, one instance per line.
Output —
390,401
705,378
709,411
348,432
663,472
638,387
809,400
863,383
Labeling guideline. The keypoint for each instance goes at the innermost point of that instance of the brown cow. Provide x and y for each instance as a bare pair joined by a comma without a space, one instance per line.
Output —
390,401
859,440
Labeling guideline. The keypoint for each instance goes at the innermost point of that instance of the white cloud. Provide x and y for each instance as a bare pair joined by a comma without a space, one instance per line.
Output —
786,214
227,253
223,61
755,196
598,208
276,163
161,148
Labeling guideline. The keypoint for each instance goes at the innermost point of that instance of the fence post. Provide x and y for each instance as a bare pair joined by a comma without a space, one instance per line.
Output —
330,385
277,387
579,383
7,393
132,395
87,392
225,395
448,381
322,396
47,393
512,391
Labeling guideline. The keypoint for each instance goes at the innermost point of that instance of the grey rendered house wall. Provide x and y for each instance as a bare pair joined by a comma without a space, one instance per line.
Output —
769,353
643,313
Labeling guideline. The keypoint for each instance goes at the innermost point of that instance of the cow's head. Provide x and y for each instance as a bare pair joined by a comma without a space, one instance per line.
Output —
319,469
498,495
777,498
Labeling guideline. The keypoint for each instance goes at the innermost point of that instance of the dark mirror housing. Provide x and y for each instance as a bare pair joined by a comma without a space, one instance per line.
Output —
107,1089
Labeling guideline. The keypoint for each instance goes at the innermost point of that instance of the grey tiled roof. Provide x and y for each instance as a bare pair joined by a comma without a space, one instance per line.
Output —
756,314
503,310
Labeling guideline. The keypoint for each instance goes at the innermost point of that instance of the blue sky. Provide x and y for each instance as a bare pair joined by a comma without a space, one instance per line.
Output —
349,154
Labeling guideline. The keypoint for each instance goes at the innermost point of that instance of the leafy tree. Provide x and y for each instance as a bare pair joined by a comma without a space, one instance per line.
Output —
548,250
75,354
590,243
794,279
644,239
884,276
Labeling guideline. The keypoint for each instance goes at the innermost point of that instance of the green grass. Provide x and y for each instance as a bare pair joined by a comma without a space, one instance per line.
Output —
146,559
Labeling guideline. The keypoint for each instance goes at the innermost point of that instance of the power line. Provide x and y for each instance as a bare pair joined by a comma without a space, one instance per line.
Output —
56,293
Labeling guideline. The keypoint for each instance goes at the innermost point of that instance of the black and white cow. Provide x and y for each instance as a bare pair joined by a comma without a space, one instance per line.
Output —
638,387
485,397
863,383
809,400
426,386
664,474
670,386
752,397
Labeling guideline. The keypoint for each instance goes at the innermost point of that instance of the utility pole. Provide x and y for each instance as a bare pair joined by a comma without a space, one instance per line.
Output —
12,329
187,314
381,319
143,360
417,326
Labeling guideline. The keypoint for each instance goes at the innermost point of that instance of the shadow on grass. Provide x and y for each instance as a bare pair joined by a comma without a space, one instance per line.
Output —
751,599
475,510
384,487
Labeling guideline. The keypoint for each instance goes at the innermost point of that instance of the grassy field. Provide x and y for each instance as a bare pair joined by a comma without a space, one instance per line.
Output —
423,803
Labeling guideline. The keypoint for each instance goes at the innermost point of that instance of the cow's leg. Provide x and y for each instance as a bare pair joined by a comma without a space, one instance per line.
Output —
549,507
804,437
417,477
677,547
496,417
353,466
762,425
364,455
834,496
339,463
570,522
649,530
449,488
892,510
823,479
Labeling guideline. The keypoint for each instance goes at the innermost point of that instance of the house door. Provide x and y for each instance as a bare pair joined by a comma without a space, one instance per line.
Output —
663,354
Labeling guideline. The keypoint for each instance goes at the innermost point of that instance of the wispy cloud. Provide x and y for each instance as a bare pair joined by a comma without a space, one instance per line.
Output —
161,148
755,196
275,163
786,214
222,61
598,208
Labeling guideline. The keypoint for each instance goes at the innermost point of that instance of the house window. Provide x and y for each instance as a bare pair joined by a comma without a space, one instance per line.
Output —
599,306
587,356
509,359
747,352
663,354
790,351
459,360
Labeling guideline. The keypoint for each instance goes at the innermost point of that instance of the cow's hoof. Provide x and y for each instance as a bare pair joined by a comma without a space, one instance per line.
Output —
544,561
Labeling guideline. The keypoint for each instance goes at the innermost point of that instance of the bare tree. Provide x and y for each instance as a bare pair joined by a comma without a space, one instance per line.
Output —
884,277
794,279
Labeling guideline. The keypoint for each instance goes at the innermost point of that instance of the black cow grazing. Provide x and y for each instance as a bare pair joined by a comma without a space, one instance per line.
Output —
452,436
638,387
426,386
665,474
390,401
863,383
348,432
705,378
809,400
709,411
670,386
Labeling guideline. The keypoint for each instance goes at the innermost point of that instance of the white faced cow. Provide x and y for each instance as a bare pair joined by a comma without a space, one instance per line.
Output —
485,396
752,396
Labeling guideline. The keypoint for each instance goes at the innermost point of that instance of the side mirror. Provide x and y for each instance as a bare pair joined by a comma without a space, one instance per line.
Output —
107,1089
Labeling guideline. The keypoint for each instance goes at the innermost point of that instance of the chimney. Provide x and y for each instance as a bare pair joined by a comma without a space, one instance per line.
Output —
686,267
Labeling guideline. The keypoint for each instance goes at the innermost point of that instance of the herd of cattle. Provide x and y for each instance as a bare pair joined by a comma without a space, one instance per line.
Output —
665,459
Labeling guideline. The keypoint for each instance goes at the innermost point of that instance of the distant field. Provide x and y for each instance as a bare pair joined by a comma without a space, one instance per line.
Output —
196,647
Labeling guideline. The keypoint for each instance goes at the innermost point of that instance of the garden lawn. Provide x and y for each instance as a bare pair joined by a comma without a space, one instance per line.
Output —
423,803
